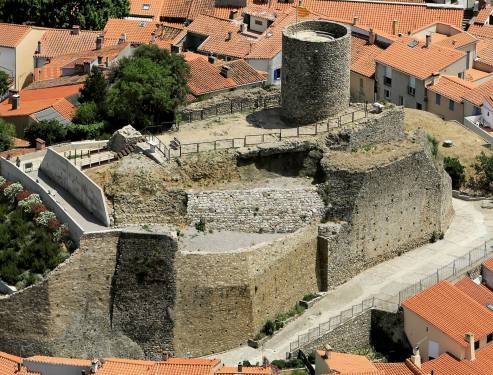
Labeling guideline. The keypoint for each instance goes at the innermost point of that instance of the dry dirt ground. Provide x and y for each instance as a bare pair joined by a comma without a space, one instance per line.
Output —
466,144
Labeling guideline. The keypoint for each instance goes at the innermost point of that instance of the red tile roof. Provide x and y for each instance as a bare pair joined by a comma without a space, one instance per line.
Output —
134,30
478,95
483,15
404,368
206,77
350,364
244,370
187,366
146,8
114,366
363,56
11,34
480,31
36,100
60,360
444,305
410,60
484,51
451,87
9,365
478,292
56,42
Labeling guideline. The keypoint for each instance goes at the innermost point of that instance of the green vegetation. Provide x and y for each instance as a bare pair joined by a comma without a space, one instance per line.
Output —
200,225
310,296
484,170
372,354
4,83
455,170
434,144
53,131
147,88
272,326
32,239
89,14
436,235
7,132
86,114
291,363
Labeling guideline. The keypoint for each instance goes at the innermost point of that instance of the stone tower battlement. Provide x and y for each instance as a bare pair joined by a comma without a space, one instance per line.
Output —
316,59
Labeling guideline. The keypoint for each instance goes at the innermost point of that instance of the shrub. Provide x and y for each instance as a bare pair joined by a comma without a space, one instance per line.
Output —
44,218
455,170
435,235
76,132
200,225
22,195
269,328
7,132
2,180
12,190
483,167
27,203
54,224
311,357
50,131
86,114
38,209
279,363
310,296
434,144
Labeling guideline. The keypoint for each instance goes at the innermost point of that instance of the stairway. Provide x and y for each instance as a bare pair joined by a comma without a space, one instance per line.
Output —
468,15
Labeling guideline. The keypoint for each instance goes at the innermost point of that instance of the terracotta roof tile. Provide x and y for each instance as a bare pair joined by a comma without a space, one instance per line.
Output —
451,87
187,366
458,40
146,8
479,94
480,31
363,56
351,364
488,264
483,15
134,30
244,370
11,34
9,363
409,60
114,366
35,100
443,306
404,368
65,108
484,51
56,42
478,292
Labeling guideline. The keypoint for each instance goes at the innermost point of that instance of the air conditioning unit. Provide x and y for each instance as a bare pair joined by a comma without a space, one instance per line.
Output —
411,90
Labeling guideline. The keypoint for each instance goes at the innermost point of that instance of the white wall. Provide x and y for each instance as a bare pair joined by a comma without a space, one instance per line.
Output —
269,66
7,61
261,27
487,113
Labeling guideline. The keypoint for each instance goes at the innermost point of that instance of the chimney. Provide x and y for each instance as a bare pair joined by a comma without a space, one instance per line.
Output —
211,59
226,71
371,37
16,101
233,14
94,366
240,367
229,35
416,357
428,40
244,27
39,49
99,42
394,27
355,21
470,352
75,30
11,95
122,38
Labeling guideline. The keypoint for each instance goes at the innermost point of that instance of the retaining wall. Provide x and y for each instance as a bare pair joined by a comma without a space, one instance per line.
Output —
256,210
11,172
68,176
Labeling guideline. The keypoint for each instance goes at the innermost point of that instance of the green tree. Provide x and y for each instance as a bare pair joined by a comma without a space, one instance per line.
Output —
7,133
50,131
434,144
95,89
89,14
86,113
483,167
455,170
4,83
147,88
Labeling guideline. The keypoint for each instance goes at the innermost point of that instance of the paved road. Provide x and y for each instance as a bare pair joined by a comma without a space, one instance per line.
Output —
472,225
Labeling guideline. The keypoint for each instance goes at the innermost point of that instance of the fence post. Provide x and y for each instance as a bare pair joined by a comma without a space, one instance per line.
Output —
180,151
453,268
263,138
469,258
298,131
485,250
198,147
241,105
438,276
215,145
352,116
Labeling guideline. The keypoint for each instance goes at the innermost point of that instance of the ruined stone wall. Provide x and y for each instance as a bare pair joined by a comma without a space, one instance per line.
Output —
144,290
256,210
383,211
225,298
160,207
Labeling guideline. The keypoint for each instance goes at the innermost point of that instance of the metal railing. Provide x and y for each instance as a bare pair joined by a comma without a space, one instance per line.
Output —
448,272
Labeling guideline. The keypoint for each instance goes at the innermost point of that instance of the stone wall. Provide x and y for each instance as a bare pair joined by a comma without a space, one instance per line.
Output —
277,210
68,176
225,298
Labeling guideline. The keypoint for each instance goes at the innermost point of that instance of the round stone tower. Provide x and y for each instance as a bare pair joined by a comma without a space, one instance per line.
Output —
316,59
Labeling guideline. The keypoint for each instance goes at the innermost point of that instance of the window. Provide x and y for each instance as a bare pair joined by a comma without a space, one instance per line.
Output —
468,53
476,345
451,105
146,6
438,99
277,74
412,82
489,338
257,22
401,100
387,79
386,94
476,111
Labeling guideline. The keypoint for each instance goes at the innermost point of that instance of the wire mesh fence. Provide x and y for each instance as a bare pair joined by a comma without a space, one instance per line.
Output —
457,267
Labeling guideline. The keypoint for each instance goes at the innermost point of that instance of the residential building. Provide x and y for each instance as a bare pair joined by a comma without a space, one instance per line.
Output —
17,45
402,76
38,104
44,365
146,9
478,105
445,319
487,273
